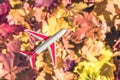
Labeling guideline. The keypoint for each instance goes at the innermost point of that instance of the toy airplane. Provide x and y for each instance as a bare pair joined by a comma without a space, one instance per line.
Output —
49,42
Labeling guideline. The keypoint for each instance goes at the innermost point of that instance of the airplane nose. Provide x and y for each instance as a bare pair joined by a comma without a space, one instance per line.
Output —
64,30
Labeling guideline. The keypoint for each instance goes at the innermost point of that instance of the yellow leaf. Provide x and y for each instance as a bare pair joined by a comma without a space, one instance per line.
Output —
14,2
25,47
17,15
55,22
24,37
4,51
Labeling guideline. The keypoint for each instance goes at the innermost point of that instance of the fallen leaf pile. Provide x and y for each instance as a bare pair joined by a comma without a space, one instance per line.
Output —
89,50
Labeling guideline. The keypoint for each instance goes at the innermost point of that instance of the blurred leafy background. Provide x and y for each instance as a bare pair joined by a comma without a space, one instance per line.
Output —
89,50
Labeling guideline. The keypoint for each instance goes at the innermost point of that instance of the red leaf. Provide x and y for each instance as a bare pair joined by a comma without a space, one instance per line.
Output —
4,9
87,20
6,29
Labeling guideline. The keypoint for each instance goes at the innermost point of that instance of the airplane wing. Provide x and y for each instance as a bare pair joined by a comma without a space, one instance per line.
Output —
25,53
30,56
37,35
52,49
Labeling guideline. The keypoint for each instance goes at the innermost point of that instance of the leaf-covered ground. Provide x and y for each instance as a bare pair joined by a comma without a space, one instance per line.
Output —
89,50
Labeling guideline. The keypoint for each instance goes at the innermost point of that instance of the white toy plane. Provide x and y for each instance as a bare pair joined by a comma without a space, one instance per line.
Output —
49,42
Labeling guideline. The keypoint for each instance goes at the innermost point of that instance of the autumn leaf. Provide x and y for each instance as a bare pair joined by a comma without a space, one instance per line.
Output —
89,50
66,43
13,46
39,14
14,2
6,30
4,10
66,2
67,75
56,22
8,59
45,3
27,74
86,20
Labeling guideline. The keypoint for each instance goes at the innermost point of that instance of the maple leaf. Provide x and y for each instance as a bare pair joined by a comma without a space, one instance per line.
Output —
60,74
91,49
66,43
108,11
19,16
6,29
4,9
14,2
79,34
39,14
110,7
7,61
59,62
55,22
87,20
88,27
10,60
27,74
87,68
13,46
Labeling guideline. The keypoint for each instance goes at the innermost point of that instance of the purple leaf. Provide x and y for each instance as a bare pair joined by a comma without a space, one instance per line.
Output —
4,9
69,65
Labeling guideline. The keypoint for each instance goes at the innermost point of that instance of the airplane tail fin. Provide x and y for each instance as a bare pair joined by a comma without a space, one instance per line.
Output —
30,56
37,35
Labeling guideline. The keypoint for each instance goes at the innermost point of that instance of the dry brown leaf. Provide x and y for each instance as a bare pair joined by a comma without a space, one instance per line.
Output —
39,14
60,74
91,49
66,42
28,74
59,62
86,20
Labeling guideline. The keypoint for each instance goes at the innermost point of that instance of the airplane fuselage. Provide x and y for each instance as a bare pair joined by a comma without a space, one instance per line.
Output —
52,39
